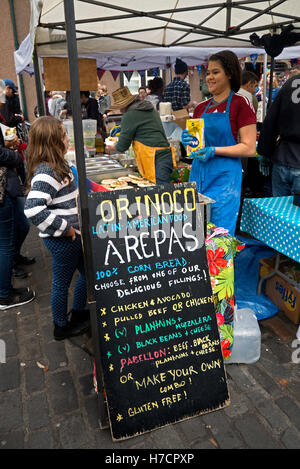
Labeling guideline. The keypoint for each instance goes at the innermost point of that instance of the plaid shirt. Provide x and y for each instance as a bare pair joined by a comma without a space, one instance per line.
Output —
177,93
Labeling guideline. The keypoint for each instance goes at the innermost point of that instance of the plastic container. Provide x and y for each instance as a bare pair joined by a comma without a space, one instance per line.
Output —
246,338
68,125
89,127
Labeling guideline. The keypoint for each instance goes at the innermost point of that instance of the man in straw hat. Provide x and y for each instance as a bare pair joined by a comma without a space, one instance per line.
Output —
141,126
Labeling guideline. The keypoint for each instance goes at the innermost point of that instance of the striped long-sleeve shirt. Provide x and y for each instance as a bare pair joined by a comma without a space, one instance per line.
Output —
51,204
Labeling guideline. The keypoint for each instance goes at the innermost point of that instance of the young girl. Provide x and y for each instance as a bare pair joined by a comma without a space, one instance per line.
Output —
51,206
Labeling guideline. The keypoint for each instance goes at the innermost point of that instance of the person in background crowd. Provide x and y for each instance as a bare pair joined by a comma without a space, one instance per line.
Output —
89,108
294,71
11,110
248,87
275,90
177,92
141,126
13,224
279,140
142,92
51,206
229,133
56,104
103,99
155,96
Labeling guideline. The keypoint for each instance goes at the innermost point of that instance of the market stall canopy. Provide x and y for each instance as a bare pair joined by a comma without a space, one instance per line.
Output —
103,27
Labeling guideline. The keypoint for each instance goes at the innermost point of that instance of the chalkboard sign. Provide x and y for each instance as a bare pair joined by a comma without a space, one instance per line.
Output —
159,341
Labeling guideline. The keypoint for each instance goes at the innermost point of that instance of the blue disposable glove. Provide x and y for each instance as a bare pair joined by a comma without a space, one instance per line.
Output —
264,165
204,154
186,138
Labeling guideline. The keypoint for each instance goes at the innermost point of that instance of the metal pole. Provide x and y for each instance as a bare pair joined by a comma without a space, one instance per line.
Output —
19,77
38,85
271,81
265,85
83,196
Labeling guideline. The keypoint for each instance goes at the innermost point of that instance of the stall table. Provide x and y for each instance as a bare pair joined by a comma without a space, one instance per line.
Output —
276,222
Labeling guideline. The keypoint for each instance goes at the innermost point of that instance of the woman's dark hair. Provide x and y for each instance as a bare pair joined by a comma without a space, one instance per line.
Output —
231,66
156,84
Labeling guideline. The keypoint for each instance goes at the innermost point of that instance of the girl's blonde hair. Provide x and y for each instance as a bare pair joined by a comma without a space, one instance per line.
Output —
275,81
45,145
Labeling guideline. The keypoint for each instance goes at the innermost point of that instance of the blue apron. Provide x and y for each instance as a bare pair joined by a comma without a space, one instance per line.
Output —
220,177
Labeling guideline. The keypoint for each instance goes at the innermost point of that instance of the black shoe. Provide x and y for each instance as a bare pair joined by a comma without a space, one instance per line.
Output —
70,330
18,297
19,273
23,260
79,316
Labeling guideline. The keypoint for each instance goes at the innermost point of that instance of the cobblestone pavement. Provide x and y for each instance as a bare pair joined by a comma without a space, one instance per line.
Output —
56,406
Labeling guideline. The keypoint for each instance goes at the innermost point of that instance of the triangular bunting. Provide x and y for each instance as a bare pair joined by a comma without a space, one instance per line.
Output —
128,75
115,74
100,73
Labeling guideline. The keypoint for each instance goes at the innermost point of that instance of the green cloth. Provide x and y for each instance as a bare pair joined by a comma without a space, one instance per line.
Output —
142,122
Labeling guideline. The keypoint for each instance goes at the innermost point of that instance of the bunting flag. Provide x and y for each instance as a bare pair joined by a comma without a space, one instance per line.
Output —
100,73
253,58
142,73
115,74
128,75
154,71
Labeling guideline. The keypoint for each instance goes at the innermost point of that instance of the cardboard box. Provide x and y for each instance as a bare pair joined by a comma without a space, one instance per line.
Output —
280,291
181,117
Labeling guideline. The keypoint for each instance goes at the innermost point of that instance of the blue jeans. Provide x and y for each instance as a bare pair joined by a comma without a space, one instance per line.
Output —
67,256
14,228
285,180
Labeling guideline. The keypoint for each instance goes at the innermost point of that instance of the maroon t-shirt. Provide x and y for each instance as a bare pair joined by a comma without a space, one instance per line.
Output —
241,112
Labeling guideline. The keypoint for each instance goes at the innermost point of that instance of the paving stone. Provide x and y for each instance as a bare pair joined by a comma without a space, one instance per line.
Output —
80,360
239,403
40,440
87,385
38,411
192,429
11,345
34,378
62,392
271,412
103,440
238,376
11,413
167,438
9,375
265,380
56,355
91,407
254,433
291,439
280,350
30,349
291,409
8,321
222,430
12,440
72,432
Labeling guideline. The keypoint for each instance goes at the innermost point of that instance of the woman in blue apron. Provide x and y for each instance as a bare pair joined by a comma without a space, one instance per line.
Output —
230,133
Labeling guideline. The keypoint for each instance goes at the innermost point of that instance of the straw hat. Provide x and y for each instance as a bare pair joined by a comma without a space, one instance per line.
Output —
122,98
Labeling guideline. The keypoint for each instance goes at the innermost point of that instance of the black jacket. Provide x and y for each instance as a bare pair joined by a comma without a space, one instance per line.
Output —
9,109
11,160
90,111
280,135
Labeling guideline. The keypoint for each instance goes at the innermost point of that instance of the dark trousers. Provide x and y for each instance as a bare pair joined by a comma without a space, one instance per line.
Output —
14,228
67,257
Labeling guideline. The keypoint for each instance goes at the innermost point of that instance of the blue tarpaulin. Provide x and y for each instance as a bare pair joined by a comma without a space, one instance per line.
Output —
246,276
